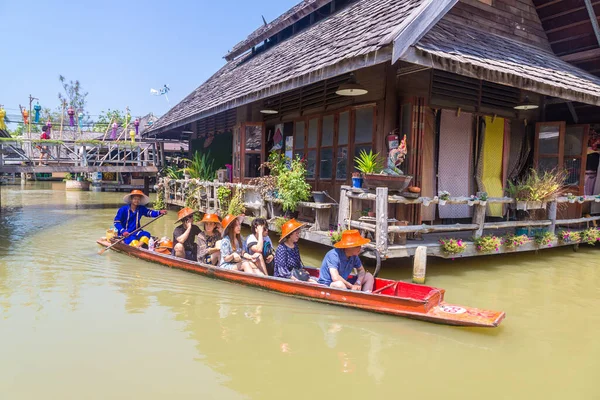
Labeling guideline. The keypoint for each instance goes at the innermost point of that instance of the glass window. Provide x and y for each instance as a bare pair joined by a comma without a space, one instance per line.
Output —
328,130
547,163
313,132
252,165
253,137
299,135
363,132
299,154
574,140
573,169
341,166
325,170
311,163
344,128
548,140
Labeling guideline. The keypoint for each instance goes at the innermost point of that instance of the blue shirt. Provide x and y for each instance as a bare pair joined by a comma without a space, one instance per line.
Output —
286,259
337,259
127,220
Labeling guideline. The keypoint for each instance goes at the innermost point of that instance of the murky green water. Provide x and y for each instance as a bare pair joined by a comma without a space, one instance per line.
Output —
77,325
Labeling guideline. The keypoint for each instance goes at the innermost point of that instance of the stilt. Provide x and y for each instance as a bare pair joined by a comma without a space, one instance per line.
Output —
420,265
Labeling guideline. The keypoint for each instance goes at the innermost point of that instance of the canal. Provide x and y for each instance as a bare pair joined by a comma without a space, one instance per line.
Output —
74,324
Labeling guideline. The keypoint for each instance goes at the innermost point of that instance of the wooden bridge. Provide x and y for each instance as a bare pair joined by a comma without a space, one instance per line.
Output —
79,156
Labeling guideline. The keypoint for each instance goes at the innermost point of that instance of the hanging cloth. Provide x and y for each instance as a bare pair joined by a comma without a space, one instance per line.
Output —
455,165
490,162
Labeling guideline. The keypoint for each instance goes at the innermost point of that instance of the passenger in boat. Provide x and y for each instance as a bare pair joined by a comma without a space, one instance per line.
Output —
129,216
233,255
339,263
287,256
184,236
208,252
259,245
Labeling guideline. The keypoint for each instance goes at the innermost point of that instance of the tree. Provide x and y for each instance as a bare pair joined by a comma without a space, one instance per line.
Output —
106,118
74,95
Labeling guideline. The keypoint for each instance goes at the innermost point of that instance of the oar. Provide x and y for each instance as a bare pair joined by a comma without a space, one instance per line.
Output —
123,238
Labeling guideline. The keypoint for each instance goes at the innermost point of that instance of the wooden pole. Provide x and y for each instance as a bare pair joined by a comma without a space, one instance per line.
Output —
381,214
62,118
552,216
420,265
479,220
107,128
126,124
343,208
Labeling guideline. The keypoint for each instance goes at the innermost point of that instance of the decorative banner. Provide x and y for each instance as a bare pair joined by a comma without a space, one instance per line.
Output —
80,120
2,115
71,114
113,134
37,108
49,125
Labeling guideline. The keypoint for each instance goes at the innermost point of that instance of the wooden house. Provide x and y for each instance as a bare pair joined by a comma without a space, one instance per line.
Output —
482,89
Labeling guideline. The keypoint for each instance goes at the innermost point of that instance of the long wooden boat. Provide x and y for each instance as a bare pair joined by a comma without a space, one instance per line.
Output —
389,297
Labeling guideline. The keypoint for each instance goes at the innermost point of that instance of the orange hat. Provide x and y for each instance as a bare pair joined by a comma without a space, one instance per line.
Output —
211,218
163,250
289,227
165,244
184,213
145,199
351,238
229,219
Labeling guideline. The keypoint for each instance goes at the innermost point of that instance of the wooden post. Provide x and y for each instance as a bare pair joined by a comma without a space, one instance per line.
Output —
479,219
381,216
322,219
420,265
343,207
552,216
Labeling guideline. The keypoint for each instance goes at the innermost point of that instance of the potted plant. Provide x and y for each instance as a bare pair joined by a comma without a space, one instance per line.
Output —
483,197
581,199
514,241
535,189
569,236
372,167
570,198
544,238
292,187
471,201
452,247
487,244
590,235
357,180
443,197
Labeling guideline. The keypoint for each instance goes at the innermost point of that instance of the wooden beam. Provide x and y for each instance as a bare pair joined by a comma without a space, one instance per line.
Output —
593,19
572,111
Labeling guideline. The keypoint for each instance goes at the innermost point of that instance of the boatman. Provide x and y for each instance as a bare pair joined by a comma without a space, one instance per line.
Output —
339,263
129,216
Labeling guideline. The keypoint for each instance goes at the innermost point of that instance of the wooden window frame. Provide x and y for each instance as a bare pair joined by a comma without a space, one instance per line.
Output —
243,150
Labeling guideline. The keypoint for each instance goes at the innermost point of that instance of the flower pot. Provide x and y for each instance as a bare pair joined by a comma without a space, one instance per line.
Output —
482,202
371,214
442,202
396,183
319,197
426,202
470,203
357,182
572,201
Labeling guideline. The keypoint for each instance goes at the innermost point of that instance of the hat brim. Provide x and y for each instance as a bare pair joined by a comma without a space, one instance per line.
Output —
185,216
302,225
342,245
239,218
145,199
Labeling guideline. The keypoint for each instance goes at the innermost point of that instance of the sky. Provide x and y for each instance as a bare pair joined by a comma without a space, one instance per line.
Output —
119,50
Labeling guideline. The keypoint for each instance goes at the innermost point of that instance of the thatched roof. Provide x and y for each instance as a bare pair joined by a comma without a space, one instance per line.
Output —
470,52
355,37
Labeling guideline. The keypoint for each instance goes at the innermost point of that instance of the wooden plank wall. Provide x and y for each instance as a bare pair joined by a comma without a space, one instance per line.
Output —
516,19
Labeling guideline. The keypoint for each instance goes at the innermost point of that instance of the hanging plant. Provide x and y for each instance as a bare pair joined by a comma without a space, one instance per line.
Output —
515,241
544,239
452,246
569,237
590,236
487,244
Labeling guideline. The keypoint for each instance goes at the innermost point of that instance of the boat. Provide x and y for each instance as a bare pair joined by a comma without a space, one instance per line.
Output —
391,297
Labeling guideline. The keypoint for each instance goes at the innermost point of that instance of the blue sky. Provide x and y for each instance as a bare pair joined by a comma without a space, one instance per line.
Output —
120,49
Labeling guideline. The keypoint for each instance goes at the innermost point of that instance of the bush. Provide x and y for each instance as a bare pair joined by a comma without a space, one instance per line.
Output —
292,186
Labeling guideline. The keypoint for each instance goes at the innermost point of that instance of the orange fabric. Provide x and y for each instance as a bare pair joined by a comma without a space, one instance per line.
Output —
165,244
211,218
228,220
351,238
289,227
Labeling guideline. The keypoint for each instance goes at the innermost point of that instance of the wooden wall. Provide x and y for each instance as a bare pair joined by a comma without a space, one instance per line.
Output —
516,19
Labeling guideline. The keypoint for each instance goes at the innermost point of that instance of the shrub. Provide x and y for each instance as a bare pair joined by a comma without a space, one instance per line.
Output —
223,195
452,246
487,244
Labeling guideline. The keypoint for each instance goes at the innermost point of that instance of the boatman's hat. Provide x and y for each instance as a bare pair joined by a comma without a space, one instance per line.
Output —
144,199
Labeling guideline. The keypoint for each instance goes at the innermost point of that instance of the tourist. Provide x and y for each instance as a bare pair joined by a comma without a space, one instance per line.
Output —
208,252
129,216
44,151
184,236
287,256
339,263
233,256
260,243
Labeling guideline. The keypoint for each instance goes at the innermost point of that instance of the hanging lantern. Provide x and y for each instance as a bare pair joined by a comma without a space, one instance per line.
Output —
49,125
80,120
2,115
71,114
25,116
113,134
37,108
136,123
132,135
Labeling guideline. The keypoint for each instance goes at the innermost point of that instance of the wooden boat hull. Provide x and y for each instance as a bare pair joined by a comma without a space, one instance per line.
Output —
400,298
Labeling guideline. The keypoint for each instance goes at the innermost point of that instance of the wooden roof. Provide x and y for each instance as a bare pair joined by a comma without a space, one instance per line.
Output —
357,36
466,51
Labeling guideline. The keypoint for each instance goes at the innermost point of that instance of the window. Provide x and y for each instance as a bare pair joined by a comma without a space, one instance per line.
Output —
341,163
327,134
253,144
363,130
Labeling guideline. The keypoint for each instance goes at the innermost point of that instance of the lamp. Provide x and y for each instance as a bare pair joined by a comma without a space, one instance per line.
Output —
351,88
526,104
269,111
